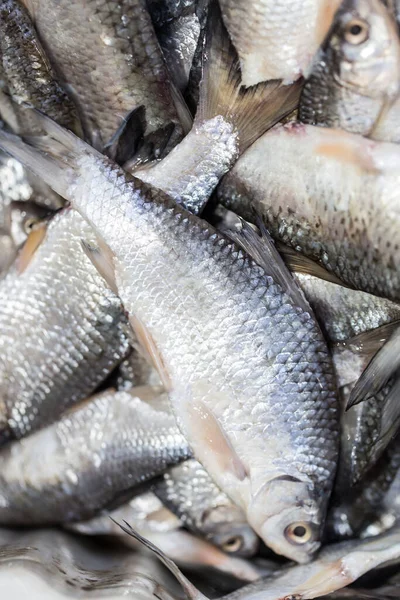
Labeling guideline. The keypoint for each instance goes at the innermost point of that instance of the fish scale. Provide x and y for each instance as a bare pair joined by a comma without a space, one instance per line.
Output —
71,330
188,285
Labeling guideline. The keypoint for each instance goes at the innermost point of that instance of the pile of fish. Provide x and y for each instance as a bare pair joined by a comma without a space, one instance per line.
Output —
200,290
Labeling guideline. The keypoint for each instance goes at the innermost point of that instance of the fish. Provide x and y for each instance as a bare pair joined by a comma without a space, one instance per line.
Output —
190,493
90,460
153,520
62,329
245,363
337,566
28,74
227,121
277,40
166,11
355,82
335,205
352,513
178,40
111,64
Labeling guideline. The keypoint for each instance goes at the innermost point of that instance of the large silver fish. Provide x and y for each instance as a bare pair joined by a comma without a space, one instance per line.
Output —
328,194
190,493
109,59
62,329
355,82
277,39
91,459
248,370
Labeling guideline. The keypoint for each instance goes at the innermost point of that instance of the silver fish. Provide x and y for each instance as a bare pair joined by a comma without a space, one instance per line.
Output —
62,329
337,566
91,459
277,39
148,516
247,367
355,82
27,71
110,61
328,194
190,493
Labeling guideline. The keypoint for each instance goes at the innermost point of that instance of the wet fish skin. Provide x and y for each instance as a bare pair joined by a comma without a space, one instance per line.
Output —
62,330
258,28
189,492
350,514
343,312
167,10
109,59
233,385
340,176
29,76
148,516
99,453
357,76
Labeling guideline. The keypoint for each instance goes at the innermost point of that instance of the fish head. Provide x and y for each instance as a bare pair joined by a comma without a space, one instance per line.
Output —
288,515
226,527
365,48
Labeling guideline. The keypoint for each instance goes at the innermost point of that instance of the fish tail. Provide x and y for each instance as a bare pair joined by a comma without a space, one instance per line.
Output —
53,157
253,110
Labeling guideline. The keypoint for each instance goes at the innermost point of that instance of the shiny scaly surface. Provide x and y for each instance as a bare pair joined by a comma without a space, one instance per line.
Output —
62,330
89,460
190,493
277,39
355,82
247,367
108,56
328,194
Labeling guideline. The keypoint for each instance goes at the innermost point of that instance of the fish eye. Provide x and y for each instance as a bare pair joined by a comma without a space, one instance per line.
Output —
233,544
356,31
299,533
29,224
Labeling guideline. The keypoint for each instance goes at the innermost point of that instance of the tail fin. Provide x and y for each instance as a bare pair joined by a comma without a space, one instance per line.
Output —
253,110
53,157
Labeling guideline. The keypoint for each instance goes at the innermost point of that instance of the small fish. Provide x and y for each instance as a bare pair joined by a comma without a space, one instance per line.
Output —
190,493
153,520
328,194
111,64
92,459
337,566
247,368
29,77
62,329
277,39
355,83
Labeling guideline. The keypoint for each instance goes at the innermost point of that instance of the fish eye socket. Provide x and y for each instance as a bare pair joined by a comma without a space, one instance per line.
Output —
29,224
356,31
233,544
299,533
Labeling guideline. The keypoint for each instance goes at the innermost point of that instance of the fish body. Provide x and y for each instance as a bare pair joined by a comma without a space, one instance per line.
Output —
28,74
108,57
344,312
277,39
89,460
244,383
311,185
62,329
355,81
190,493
